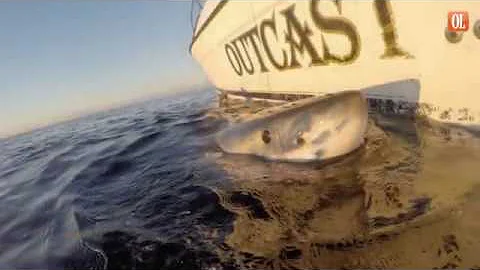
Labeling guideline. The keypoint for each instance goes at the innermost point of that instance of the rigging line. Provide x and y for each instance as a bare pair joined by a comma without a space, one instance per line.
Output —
193,21
191,15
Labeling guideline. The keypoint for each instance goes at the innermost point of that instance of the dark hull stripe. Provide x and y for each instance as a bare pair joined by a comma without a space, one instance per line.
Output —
375,104
272,96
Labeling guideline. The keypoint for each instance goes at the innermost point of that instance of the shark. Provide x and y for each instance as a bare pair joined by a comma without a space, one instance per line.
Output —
315,128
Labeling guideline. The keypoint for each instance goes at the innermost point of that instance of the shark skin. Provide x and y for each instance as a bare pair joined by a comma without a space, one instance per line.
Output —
317,128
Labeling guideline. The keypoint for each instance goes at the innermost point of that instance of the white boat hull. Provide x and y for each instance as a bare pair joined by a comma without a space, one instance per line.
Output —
397,51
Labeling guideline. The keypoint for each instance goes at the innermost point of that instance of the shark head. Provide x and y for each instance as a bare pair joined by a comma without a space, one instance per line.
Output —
317,128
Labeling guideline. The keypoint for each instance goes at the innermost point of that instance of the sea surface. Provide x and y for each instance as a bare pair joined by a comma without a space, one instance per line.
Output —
145,187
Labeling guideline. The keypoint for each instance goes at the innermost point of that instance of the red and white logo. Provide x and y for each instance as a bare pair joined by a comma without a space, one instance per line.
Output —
457,21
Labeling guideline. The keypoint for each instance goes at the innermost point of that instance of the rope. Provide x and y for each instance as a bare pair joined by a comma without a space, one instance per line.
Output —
191,15
193,21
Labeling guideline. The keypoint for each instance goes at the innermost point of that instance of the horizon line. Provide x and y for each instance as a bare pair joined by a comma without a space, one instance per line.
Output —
114,105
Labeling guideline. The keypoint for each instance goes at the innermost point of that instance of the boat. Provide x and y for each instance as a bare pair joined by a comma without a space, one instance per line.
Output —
403,55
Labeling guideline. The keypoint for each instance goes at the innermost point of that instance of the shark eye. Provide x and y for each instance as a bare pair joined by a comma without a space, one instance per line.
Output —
300,141
266,136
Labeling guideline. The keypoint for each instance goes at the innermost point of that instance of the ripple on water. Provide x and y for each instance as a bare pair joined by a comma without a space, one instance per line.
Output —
367,210
145,187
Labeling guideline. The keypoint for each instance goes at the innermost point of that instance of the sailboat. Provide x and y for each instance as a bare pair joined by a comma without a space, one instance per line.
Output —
403,55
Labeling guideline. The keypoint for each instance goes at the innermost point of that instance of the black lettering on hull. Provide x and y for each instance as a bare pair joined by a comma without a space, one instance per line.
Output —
300,41
249,69
250,35
304,43
337,25
385,18
270,24
229,50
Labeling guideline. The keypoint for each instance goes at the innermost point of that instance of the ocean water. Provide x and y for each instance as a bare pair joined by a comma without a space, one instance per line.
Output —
145,187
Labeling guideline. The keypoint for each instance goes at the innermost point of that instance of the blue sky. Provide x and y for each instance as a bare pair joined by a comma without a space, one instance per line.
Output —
60,59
